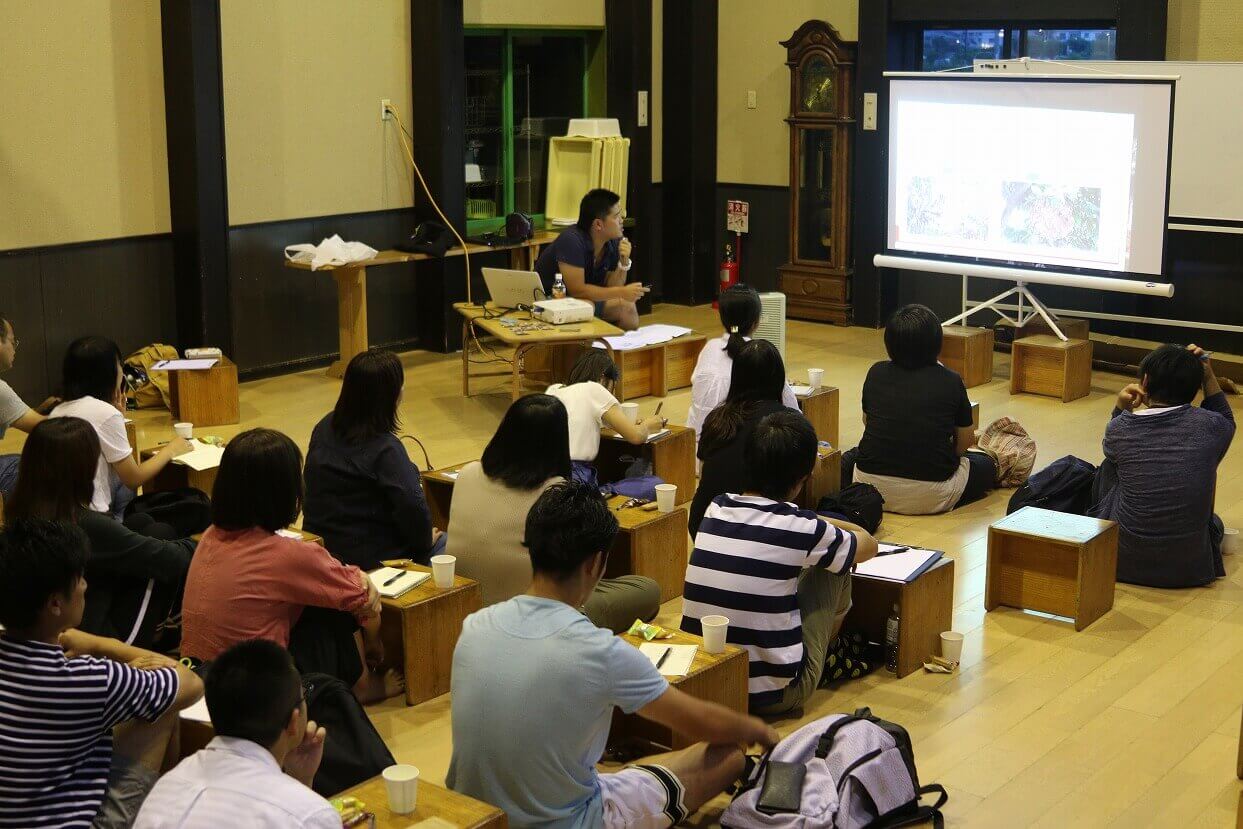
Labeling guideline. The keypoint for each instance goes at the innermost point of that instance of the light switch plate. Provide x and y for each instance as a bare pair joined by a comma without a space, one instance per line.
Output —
751,99
869,110
642,116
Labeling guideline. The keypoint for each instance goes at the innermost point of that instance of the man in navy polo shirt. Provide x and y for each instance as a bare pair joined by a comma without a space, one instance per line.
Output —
593,258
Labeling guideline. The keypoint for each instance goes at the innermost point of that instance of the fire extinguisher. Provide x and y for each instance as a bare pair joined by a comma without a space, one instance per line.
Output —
729,273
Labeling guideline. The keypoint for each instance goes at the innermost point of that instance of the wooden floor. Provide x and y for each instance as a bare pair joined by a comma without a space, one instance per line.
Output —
1132,722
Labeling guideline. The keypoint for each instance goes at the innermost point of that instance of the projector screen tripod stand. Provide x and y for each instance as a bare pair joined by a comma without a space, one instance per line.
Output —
1023,315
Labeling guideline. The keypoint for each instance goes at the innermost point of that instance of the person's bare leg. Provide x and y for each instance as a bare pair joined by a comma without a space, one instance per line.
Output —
704,770
375,686
148,743
623,314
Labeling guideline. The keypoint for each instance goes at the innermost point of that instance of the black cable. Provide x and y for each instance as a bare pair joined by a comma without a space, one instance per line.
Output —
426,459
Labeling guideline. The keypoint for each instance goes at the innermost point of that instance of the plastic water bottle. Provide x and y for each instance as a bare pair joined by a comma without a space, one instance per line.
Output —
558,288
891,641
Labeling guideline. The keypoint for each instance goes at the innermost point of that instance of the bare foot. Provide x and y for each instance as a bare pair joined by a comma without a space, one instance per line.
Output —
376,686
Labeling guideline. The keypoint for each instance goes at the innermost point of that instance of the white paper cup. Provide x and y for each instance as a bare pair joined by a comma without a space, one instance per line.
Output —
951,646
402,783
666,496
184,430
814,377
715,630
1230,542
631,412
442,571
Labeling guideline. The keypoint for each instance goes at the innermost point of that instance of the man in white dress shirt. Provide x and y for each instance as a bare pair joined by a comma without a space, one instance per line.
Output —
257,772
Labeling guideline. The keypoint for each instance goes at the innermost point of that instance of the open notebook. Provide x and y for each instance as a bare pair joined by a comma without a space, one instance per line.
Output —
391,582
898,564
202,456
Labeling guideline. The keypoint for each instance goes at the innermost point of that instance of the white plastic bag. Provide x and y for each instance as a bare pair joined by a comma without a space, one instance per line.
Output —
333,251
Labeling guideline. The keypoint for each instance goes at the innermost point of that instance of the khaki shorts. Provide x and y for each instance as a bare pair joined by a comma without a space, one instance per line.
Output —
129,783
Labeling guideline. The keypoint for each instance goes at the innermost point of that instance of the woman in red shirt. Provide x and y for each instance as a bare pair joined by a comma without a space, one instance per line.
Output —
248,581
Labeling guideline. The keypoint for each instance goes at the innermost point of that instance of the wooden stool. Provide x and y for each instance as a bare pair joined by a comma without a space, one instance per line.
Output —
438,489
925,608
131,434
1073,328
653,369
718,677
423,626
821,410
968,351
650,543
1045,365
1053,562
205,398
178,476
826,478
434,802
672,457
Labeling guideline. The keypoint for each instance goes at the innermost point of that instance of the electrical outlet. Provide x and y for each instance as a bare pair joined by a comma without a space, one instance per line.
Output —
642,115
386,112
869,110
751,99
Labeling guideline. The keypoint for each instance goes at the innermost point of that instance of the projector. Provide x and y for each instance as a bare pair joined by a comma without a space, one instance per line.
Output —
562,311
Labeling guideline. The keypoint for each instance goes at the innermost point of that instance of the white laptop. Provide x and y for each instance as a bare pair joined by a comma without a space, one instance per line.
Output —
509,289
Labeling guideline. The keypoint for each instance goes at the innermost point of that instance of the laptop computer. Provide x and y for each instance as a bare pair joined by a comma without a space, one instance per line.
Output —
509,289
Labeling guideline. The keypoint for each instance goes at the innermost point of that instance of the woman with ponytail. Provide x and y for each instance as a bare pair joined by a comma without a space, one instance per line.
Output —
757,382
740,314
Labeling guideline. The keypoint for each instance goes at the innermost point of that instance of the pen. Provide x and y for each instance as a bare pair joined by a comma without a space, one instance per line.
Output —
895,550
663,657
394,578
658,407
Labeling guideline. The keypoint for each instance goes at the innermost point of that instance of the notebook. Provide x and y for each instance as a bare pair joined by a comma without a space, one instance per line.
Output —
903,566
677,663
197,712
391,582
203,456
184,365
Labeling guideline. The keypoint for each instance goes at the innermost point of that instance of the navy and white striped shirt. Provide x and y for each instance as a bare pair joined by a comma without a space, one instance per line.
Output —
749,553
56,719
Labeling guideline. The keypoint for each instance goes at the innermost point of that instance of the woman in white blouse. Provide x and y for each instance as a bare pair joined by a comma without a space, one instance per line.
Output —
740,314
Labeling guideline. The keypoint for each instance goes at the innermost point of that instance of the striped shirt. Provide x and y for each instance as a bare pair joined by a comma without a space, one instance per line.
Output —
749,553
56,719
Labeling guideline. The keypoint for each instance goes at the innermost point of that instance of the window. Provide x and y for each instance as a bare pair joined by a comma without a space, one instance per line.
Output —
945,49
521,88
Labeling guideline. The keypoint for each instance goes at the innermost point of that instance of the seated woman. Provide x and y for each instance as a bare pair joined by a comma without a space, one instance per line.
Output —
1159,476
756,384
492,496
94,392
710,382
134,579
363,495
917,425
590,404
249,582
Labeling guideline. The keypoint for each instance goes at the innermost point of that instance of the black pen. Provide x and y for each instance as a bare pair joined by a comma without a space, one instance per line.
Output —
894,550
394,578
663,657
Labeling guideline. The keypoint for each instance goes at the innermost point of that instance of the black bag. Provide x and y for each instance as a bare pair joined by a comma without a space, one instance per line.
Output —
861,504
519,226
353,749
1063,486
186,510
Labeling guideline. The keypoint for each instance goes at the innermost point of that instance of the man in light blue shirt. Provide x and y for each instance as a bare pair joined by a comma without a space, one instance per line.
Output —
535,683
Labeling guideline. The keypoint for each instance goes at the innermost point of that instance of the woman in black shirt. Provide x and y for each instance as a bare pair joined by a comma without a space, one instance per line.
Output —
917,425
757,379
363,494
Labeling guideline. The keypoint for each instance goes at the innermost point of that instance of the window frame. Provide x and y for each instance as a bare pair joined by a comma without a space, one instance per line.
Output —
1009,27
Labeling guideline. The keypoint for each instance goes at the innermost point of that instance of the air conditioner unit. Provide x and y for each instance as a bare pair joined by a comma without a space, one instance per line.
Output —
772,325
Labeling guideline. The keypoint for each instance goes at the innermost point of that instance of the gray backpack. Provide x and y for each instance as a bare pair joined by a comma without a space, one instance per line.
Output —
858,771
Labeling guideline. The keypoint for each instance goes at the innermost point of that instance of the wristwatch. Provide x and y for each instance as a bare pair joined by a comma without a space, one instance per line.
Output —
626,266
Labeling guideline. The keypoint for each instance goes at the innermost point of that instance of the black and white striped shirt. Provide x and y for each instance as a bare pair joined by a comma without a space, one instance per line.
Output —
749,553
56,719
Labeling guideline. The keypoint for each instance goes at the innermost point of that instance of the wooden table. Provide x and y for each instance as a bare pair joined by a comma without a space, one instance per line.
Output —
826,478
651,370
352,286
651,543
821,410
672,456
718,677
205,397
421,628
473,316
438,489
925,611
178,476
434,801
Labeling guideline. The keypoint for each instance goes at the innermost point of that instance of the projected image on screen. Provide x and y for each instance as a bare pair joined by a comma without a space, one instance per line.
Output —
990,173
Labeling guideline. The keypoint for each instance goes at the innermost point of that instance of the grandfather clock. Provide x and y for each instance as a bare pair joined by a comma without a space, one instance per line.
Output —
816,280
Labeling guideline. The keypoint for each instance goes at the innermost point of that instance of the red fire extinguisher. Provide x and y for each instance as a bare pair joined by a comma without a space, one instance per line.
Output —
729,273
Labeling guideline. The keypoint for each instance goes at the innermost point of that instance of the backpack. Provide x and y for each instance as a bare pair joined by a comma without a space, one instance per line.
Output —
1063,486
187,510
353,749
154,393
859,773
860,504
1011,448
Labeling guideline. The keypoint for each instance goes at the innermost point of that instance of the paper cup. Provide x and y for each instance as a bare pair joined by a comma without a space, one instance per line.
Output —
666,496
951,646
814,377
184,430
442,571
1230,542
631,412
715,629
402,783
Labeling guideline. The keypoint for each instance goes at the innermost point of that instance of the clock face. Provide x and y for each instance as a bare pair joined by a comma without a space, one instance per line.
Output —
816,93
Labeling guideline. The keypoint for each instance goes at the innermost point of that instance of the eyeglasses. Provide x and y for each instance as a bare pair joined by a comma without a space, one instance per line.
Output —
307,688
